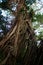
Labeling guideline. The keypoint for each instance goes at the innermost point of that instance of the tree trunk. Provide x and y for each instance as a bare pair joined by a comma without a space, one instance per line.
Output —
19,46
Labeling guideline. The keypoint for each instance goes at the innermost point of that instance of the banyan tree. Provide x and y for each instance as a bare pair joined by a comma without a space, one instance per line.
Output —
18,46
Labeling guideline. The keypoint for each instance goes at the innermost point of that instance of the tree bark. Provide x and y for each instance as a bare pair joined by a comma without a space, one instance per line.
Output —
19,43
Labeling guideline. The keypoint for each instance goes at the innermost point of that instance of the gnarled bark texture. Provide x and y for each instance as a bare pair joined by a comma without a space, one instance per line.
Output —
18,46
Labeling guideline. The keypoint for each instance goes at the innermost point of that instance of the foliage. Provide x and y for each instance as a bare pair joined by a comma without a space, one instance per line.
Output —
5,18
38,26
30,2
3,4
